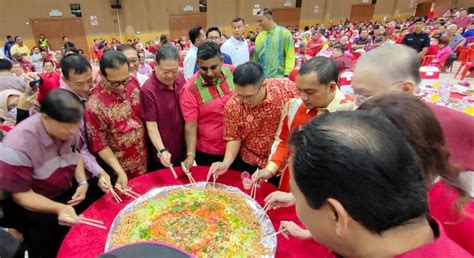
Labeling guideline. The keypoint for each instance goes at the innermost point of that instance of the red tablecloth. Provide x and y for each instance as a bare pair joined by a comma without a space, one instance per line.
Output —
85,241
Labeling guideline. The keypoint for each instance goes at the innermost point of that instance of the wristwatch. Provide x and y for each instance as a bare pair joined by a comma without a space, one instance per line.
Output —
160,152
82,182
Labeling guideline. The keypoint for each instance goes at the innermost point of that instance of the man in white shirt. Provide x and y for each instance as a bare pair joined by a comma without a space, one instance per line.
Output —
197,37
236,47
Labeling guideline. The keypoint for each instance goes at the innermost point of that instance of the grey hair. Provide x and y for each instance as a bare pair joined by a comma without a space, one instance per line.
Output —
166,52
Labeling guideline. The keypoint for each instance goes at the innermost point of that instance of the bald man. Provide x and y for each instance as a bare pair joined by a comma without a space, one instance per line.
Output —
373,74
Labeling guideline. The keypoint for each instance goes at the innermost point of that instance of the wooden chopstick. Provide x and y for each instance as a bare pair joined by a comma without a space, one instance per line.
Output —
91,220
265,210
128,192
116,196
276,233
92,224
174,172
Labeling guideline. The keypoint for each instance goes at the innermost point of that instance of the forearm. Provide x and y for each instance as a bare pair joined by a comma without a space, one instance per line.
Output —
109,158
90,162
191,136
232,149
155,136
36,202
80,173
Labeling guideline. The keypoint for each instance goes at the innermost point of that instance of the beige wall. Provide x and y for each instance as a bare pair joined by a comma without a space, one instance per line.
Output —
464,3
150,17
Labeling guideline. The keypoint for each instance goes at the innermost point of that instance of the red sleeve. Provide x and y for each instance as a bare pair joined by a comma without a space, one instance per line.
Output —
96,129
189,103
232,120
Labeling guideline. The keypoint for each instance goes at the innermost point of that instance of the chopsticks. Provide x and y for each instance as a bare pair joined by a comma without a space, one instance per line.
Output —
265,210
128,192
174,172
253,191
92,222
186,171
114,194
276,233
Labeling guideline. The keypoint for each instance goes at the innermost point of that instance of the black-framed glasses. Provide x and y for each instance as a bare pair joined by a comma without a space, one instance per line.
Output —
250,97
116,84
132,61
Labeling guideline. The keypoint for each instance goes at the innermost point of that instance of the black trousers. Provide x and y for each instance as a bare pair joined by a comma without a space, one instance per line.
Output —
41,232
206,159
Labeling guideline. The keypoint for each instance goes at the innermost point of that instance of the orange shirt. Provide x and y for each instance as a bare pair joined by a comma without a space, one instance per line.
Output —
294,115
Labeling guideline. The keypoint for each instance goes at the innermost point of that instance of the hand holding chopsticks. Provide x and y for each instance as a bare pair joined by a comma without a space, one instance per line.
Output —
188,173
128,192
291,228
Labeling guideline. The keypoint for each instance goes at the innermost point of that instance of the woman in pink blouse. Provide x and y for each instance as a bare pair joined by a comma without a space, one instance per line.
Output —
449,202
443,52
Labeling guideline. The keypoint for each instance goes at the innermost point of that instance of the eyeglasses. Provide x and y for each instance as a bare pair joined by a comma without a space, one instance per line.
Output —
132,61
116,84
250,97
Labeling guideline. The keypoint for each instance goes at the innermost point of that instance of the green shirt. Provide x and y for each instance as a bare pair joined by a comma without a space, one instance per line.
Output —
275,51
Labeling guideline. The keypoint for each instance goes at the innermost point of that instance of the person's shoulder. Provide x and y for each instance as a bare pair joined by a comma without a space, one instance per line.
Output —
233,104
24,132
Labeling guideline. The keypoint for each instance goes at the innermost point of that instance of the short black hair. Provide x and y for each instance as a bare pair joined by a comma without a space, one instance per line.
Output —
211,29
63,106
249,73
166,52
194,33
125,47
48,61
339,47
112,59
363,161
5,64
163,39
237,19
324,67
208,50
9,36
76,63
265,11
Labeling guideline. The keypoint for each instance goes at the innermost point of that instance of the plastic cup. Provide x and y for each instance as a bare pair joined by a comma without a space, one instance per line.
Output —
244,175
247,183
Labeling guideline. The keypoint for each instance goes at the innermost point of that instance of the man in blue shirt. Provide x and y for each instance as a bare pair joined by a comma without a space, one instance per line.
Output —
214,34
8,45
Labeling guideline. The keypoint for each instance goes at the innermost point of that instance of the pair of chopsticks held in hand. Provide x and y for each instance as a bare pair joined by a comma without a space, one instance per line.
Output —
128,192
91,222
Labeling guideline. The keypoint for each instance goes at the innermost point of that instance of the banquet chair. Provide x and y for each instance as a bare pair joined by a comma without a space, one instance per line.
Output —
468,65
442,62
463,58
426,60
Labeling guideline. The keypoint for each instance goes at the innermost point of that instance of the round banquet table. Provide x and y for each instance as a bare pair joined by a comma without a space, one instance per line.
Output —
86,241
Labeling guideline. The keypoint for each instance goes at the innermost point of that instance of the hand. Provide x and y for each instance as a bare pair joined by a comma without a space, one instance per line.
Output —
165,159
294,230
122,182
67,216
79,195
26,101
280,199
104,182
188,162
262,175
217,168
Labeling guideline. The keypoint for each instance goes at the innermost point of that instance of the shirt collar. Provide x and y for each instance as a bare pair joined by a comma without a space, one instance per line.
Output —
274,26
241,40
333,106
160,85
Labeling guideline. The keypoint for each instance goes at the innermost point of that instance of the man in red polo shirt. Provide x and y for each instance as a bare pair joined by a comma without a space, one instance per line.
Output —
202,101
159,99
359,190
